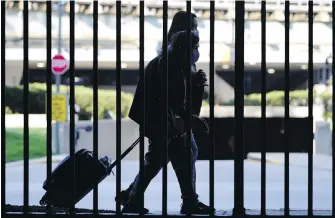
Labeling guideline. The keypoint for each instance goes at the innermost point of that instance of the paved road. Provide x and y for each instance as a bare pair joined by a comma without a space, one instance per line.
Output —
224,185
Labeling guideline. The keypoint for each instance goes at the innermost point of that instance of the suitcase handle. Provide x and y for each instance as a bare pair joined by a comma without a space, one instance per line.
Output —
110,168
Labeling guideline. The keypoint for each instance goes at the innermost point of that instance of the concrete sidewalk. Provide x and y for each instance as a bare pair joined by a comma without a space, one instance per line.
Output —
226,213
270,158
321,162
223,180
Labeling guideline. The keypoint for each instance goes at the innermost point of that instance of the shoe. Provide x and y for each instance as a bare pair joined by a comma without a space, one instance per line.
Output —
128,208
122,198
196,208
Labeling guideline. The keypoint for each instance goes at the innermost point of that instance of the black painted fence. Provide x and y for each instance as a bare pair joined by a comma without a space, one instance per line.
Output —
239,126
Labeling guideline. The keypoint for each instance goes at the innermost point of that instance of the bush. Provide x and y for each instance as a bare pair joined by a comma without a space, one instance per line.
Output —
8,110
326,96
327,115
277,98
83,97
297,98
204,103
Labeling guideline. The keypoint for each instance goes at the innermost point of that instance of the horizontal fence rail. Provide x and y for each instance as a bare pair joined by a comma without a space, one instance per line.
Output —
165,112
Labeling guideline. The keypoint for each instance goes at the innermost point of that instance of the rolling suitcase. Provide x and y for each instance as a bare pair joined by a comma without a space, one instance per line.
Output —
88,172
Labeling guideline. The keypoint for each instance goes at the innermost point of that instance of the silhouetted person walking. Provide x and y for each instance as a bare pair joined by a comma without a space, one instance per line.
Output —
177,149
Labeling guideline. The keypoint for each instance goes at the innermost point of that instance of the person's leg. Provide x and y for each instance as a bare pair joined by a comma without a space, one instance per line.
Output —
124,195
200,207
194,148
186,174
152,166
183,167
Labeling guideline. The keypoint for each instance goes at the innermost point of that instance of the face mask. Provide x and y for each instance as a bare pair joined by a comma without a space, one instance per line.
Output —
195,56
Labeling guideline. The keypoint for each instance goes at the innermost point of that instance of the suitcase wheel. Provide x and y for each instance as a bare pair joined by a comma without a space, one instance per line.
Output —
81,151
43,200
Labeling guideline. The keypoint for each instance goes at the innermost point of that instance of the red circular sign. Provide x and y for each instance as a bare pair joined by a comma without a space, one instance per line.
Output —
59,64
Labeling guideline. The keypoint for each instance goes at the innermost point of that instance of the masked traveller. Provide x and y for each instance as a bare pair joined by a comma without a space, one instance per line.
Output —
178,152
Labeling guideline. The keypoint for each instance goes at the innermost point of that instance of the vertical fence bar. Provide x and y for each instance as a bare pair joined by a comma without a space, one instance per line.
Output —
333,101
3,106
26,106
310,107
95,98
142,74
49,94
287,110
211,105
165,106
239,110
189,88
118,105
72,101
263,110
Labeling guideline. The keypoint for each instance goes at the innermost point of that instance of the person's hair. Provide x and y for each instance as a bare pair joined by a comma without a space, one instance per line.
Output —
179,23
180,40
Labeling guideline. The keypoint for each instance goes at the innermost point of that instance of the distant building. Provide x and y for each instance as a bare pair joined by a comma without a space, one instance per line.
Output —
224,41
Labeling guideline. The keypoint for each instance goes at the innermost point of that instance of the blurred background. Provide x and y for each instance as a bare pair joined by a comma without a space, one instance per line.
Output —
224,56
224,42
300,125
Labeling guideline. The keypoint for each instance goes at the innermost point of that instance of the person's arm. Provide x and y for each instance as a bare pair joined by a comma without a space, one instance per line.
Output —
197,98
198,83
176,78
177,94
176,85
177,91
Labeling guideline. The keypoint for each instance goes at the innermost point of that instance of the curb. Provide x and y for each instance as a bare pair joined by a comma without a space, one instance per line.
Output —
59,158
259,159
54,159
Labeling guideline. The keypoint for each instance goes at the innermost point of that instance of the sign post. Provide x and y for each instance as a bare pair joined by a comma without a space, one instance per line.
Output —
59,66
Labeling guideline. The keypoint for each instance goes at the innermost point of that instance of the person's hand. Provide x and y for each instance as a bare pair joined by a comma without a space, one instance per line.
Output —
199,124
200,78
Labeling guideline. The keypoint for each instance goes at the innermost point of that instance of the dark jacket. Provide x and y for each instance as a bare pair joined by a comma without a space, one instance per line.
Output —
151,100
153,89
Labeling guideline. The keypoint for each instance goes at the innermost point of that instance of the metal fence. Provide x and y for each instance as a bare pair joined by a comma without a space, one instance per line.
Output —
239,208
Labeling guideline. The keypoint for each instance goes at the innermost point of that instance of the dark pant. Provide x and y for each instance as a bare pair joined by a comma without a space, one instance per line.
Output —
184,169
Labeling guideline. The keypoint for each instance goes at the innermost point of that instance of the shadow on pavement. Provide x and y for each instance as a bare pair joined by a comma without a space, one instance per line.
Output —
43,209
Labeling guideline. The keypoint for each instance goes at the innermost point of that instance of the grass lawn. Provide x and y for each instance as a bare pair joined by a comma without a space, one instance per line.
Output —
14,143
